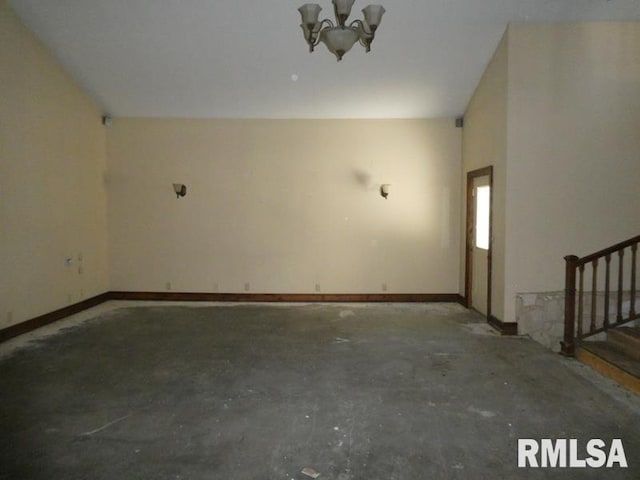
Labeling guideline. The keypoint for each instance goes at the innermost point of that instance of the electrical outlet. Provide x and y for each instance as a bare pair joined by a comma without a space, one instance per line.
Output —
168,285
384,287
317,287
247,287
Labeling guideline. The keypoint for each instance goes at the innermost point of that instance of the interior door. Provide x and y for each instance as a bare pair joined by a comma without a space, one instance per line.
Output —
481,240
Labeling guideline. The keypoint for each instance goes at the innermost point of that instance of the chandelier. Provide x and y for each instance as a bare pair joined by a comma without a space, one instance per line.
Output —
340,37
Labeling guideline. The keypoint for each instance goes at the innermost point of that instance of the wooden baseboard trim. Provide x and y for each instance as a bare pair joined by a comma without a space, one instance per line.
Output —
47,318
505,328
289,297
42,320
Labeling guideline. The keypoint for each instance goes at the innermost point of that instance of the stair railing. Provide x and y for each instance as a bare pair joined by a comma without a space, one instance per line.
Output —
586,321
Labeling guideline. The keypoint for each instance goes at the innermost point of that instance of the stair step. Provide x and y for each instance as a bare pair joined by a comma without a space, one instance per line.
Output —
626,340
609,361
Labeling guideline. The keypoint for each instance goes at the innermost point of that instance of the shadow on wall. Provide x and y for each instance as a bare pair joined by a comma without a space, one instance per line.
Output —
362,178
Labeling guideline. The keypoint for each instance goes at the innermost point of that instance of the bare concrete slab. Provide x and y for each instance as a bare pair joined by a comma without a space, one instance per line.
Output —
264,392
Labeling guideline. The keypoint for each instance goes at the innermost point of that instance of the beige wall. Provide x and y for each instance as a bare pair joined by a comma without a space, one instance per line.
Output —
557,114
284,205
573,149
289,206
484,143
52,196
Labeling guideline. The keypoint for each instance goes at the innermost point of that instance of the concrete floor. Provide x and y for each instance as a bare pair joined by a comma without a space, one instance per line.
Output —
260,392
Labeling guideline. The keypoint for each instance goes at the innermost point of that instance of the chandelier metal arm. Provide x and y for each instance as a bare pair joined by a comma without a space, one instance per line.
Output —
313,36
366,35
329,24
361,26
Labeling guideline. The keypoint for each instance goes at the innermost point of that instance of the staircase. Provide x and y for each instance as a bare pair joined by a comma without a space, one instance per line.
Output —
618,357
600,303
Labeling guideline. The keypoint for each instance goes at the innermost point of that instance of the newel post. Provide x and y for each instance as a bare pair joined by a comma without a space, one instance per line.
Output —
568,344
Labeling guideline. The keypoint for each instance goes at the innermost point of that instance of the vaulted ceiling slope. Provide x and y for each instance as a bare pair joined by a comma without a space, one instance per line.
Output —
248,58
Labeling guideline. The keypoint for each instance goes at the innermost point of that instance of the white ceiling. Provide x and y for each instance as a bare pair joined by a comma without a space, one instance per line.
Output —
238,58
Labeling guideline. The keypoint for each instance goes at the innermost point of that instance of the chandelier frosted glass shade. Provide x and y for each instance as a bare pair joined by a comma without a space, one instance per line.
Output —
340,37
339,40
310,13
373,15
342,9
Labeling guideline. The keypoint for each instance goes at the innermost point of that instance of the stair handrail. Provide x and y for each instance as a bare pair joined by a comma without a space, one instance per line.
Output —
572,264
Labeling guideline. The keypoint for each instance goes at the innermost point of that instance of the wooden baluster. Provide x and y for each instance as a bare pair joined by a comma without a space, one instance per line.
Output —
620,282
580,300
594,295
568,344
634,250
607,290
